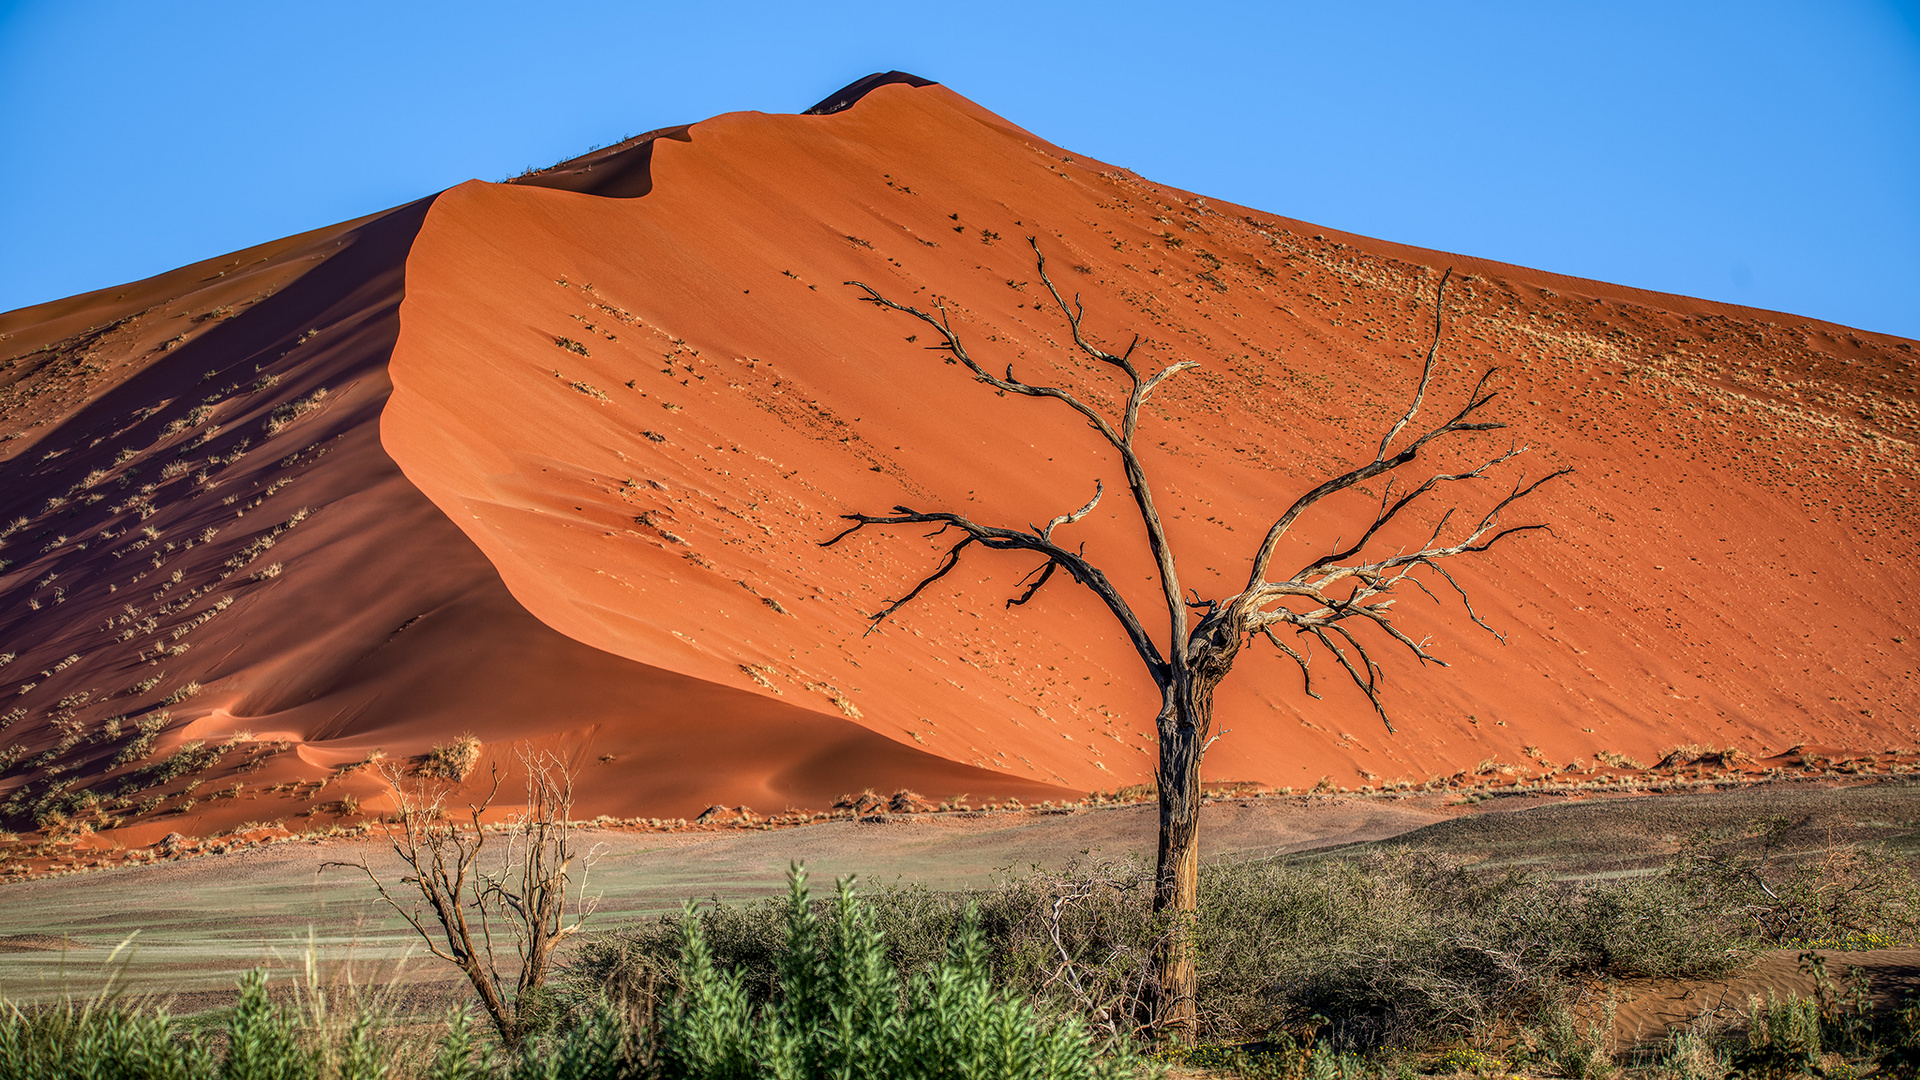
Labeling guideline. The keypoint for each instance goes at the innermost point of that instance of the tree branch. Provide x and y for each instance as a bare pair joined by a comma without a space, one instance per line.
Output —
1382,463
1367,685
1000,539
1306,672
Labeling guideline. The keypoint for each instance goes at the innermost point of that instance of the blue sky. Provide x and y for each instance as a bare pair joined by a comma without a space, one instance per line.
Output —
1764,153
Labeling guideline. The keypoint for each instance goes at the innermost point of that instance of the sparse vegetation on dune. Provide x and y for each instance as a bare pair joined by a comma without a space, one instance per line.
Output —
287,413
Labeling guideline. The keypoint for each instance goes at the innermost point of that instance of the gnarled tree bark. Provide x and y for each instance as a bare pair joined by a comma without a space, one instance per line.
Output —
1206,635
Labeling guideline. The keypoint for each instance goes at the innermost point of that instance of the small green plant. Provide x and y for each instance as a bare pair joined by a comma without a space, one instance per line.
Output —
263,1039
1690,1055
1783,1038
839,1011
1576,1051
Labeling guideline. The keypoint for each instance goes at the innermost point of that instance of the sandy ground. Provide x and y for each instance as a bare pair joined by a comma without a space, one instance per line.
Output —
1645,1012
197,923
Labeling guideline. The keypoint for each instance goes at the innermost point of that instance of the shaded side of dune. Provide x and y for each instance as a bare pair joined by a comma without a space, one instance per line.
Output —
216,542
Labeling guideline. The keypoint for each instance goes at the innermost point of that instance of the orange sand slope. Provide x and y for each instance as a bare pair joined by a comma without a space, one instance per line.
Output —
620,402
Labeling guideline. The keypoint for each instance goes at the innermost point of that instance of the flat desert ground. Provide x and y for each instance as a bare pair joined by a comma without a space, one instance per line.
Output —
196,924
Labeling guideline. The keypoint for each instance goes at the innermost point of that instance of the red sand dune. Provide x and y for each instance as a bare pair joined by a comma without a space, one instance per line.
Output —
582,433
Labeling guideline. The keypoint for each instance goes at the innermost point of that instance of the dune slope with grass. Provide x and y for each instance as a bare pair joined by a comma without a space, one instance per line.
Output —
550,463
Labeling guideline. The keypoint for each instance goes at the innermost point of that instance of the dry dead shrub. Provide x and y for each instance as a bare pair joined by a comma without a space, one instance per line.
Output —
1691,755
1618,760
453,761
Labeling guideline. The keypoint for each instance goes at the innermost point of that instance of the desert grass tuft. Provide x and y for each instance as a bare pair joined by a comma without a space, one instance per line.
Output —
453,761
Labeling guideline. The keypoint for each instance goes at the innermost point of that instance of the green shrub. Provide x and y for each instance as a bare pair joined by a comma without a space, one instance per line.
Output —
1783,1038
1391,950
1574,1050
110,1038
82,1041
1691,1055
459,1055
838,1011
263,1039
836,1008
1401,950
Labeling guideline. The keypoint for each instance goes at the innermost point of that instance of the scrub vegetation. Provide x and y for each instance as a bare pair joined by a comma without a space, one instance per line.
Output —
1392,964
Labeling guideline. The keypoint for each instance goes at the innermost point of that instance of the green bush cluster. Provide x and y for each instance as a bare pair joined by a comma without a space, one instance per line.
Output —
837,1010
1310,969
838,1007
1400,950
263,1041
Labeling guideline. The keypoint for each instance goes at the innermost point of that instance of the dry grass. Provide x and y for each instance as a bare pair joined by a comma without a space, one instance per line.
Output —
181,694
288,412
1617,760
453,761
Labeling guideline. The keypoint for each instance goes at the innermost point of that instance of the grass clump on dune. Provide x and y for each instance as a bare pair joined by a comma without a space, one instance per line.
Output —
453,761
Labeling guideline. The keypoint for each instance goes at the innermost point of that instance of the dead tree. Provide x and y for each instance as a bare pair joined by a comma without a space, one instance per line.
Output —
477,882
1315,602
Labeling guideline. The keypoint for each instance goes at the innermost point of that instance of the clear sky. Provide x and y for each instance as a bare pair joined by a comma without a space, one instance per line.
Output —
1753,151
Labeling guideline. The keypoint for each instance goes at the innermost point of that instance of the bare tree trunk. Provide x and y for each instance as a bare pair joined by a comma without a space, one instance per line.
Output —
1185,721
1176,884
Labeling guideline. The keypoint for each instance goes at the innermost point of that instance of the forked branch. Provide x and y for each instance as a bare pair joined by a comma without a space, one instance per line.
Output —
1346,584
993,538
1121,438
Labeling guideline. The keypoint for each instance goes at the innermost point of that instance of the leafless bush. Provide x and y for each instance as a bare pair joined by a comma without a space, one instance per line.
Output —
1789,884
473,883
